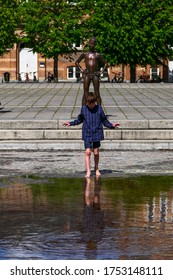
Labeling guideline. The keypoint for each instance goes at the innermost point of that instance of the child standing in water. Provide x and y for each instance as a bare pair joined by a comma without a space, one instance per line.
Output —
93,118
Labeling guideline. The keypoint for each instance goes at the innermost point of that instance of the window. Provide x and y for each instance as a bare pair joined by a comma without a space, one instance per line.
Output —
72,72
154,72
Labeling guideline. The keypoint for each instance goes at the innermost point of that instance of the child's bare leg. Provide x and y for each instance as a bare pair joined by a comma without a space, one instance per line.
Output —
96,161
87,162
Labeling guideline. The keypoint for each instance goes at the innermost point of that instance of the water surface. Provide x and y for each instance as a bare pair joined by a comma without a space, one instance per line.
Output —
106,218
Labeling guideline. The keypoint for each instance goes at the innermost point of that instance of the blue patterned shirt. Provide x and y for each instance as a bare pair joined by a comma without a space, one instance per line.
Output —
93,121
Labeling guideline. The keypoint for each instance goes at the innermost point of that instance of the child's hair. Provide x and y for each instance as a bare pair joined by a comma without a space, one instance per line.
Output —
91,97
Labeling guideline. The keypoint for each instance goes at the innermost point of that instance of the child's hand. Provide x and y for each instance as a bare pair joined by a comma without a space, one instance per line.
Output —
116,124
66,124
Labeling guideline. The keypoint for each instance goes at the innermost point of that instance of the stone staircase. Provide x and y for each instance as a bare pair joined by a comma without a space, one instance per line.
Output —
51,135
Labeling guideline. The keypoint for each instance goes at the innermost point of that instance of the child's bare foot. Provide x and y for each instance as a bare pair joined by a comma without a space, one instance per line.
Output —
88,174
98,173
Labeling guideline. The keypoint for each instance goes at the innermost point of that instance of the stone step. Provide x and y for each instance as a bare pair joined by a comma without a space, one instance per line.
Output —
68,145
58,124
51,135
73,134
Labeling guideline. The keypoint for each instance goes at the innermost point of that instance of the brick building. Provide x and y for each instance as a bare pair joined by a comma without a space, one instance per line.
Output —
21,63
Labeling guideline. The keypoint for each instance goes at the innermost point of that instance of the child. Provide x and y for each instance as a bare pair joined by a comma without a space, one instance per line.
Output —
93,118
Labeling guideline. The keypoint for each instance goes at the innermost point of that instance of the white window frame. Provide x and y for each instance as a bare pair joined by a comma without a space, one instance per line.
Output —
74,68
153,73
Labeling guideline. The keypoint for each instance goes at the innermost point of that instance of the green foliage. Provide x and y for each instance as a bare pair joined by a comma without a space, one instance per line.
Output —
133,32
50,27
8,27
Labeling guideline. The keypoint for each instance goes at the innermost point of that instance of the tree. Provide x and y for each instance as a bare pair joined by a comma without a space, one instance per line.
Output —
8,27
50,27
136,32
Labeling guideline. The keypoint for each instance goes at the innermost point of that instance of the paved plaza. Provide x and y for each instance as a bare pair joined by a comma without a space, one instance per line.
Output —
56,101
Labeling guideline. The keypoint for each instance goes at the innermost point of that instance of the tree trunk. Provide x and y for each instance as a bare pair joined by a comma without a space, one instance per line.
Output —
132,73
55,69
165,71
123,71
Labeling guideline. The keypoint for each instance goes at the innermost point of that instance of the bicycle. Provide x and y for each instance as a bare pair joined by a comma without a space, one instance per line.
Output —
117,78
35,77
156,79
78,78
19,77
143,79
49,79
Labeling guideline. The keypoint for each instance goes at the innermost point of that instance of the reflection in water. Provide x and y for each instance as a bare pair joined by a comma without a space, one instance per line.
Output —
111,218
93,217
163,207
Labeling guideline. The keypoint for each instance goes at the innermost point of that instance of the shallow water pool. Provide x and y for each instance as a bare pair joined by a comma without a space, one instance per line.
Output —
96,218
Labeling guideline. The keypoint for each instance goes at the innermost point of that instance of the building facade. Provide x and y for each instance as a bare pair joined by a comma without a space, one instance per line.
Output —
21,64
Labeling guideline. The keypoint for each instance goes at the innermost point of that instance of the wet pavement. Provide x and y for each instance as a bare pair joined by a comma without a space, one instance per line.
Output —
71,163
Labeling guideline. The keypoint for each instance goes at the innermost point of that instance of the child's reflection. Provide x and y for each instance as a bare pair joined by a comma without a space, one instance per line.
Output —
93,217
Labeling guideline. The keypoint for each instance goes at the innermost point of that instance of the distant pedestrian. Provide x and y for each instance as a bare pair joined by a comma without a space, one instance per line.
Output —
50,77
93,118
